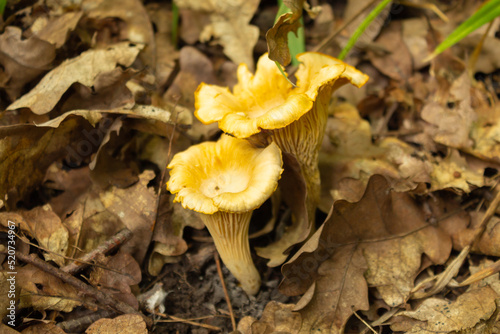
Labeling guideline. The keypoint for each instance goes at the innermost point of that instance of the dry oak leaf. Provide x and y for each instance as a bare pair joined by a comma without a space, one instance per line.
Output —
229,25
139,27
83,69
135,206
276,318
348,152
55,30
115,276
436,315
43,291
22,60
42,328
123,324
377,242
45,226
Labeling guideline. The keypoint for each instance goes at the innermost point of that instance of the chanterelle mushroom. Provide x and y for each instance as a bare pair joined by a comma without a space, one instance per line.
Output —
294,117
225,181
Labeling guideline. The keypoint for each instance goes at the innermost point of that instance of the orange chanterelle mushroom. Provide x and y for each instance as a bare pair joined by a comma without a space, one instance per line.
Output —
225,181
294,117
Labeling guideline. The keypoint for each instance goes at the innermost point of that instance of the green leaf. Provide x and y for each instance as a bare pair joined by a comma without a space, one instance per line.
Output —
485,14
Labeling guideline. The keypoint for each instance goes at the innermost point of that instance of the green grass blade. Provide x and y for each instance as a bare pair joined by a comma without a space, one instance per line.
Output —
362,27
175,24
485,14
284,74
3,3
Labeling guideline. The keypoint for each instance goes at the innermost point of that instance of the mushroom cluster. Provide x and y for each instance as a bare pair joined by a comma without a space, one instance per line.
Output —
294,117
225,181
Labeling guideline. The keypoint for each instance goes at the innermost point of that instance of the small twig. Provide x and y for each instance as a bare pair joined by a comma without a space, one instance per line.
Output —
186,321
102,297
366,324
482,274
81,323
110,244
226,294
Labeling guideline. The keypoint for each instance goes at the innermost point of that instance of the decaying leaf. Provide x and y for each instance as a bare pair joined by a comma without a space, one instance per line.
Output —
45,226
276,318
378,242
436,315
22,60
26,151
115,275
126,324
277,36
229,26
136,208
83,69
42,328
55,30
43,291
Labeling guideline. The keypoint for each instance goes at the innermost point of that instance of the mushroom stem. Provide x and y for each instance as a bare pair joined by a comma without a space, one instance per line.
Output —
230,234
303,139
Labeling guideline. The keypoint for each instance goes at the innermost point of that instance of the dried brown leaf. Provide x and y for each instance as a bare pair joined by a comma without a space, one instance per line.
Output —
126,324
229,26
437,315
56,29
277,36
83,69
26,151
22,60
378,242
43,329
115,276
276,318
43,291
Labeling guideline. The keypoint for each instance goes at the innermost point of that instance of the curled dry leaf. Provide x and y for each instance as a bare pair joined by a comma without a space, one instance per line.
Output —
83,69
471,312
277,36
22,60
229,25
377,242
43,291
55,30
126,324
139,28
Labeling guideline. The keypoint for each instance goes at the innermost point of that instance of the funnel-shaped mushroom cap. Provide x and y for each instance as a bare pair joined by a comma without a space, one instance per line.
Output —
228,175
266,100
225,181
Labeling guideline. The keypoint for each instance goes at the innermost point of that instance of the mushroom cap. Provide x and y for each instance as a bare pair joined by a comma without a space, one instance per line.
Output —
266,100
229,175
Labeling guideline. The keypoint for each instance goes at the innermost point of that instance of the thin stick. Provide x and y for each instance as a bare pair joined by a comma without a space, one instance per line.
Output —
110,244
186,321
102,297
226,294
366,324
